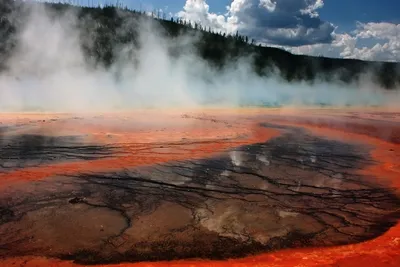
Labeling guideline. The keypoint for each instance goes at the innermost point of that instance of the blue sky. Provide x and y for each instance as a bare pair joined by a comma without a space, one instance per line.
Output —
340,12
346,12
364,29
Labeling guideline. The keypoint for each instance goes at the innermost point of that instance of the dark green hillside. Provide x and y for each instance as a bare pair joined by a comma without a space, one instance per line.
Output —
105,30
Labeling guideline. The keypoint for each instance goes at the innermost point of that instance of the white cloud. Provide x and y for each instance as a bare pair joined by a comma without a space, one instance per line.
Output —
198,11
268,4
387,36
282,22
311,9
384,39
295,25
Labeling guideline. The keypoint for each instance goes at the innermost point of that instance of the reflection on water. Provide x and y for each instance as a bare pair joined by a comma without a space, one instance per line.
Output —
296,190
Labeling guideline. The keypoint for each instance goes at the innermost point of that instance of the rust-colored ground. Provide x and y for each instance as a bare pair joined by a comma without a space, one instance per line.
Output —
154,137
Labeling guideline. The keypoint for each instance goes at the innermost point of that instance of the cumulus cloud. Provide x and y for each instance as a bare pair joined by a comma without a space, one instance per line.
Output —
383,39
279,22
268,4
296,26
197,11
387,36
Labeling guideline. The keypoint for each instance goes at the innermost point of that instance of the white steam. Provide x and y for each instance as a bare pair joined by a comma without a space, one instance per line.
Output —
48,71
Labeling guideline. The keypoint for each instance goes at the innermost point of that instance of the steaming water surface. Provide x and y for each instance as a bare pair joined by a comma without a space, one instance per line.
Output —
48,71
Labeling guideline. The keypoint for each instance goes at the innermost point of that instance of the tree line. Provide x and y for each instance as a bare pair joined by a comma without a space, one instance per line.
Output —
113,25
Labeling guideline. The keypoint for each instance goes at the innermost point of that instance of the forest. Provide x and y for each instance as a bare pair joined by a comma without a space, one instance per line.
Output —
113,25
